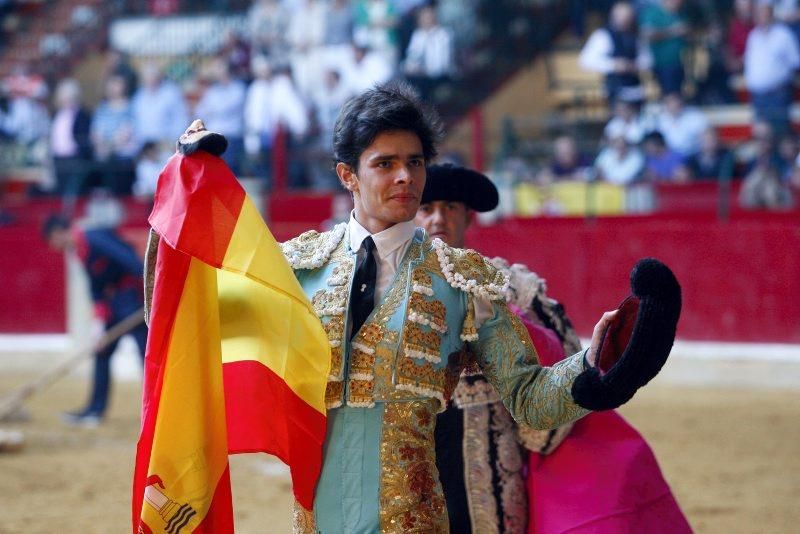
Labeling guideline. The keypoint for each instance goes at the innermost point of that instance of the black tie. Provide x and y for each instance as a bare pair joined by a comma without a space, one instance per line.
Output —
362,294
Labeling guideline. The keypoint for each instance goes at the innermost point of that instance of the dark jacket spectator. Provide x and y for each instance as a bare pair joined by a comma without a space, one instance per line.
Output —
616,52
713,161
70,140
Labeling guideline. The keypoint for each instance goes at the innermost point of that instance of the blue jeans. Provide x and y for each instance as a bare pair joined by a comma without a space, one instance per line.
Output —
773,107
122,305
669,77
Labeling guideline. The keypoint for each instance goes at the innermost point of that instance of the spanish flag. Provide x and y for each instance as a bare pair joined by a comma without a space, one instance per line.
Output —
237,360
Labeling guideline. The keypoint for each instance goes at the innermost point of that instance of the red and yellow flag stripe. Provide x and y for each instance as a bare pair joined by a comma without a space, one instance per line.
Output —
237,360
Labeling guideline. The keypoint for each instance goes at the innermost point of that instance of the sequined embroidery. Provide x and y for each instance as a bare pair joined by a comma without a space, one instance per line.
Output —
431,313
374,348
478,471
552,404
508,469
333,394
333,302
474,393
421,378
411,498
303,520
421,345
312,250
361,393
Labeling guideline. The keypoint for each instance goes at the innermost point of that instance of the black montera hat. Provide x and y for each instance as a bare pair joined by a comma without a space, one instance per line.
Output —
452,183
637,343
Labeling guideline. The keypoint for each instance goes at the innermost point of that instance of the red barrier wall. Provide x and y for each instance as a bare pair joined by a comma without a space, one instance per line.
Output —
740,279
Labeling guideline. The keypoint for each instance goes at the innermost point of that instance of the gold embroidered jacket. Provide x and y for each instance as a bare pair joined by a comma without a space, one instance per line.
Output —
388,383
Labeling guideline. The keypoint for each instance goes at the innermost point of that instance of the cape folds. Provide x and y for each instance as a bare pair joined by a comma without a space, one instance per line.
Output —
237,360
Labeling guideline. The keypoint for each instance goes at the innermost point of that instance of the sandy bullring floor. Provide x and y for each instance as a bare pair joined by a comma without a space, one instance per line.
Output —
731,456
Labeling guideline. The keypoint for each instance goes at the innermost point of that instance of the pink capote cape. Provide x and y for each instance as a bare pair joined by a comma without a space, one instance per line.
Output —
603,478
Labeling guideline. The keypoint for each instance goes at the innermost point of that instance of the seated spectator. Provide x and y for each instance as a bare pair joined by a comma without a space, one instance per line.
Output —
567,163
627,117
739,29
616,52
148,168
237,54
713,161
306,35
70,142
222,109
328,101
662,164
160,113
763,187
113,139
258,120
619,163
666,30
682,126
771,58
338,33
27,121
268,21
117,63
375,23
366,69
338,24
429,58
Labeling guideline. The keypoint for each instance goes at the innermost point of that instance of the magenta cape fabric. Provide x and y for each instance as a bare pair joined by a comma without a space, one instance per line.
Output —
603,479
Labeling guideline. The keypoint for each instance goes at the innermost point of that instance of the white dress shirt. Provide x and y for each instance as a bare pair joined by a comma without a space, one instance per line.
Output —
430,52
596,54
684,131
391,246
770,57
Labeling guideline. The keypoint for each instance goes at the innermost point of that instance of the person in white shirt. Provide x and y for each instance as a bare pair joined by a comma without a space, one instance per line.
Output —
619,163
328,101
616,52
681,126
771,58
366,69
429,58
628,119
306,35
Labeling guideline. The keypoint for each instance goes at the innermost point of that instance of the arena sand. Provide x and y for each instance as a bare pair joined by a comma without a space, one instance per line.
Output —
732,456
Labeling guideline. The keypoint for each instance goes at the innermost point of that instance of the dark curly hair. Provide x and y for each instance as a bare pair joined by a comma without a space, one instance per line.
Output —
389,107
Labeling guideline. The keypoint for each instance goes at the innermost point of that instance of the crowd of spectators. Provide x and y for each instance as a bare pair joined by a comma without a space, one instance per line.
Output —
670,140
283,76
281,80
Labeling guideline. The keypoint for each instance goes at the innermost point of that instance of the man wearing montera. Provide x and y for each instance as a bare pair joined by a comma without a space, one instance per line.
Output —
482,454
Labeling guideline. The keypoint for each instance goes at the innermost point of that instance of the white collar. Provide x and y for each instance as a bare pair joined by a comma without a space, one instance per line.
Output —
386,241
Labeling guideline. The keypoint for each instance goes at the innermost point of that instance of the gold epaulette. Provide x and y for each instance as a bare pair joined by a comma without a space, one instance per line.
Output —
312,249
470,272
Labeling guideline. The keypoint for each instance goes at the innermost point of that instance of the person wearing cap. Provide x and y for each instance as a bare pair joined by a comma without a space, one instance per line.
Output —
480,450
115,280
482,453
400,311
